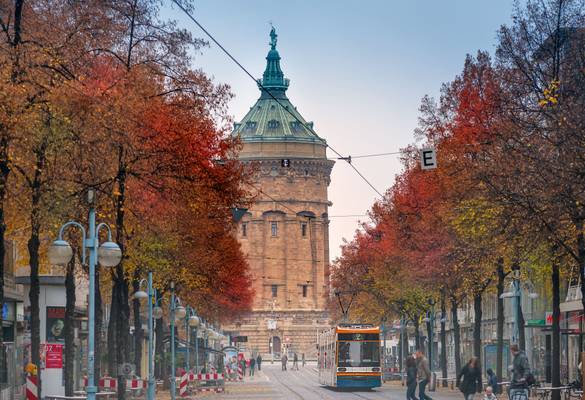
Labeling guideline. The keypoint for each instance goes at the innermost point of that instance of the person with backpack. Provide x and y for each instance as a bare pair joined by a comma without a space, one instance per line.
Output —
492,380
522,378
471,382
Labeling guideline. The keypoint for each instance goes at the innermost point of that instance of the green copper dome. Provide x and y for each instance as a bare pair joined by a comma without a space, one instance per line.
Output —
268,120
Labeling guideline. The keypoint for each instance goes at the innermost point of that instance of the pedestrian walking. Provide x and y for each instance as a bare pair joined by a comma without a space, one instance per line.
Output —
252,366
259,362
284,360
522,378
295,362
424,375
471,382
493,380
243,364
303,361
411,382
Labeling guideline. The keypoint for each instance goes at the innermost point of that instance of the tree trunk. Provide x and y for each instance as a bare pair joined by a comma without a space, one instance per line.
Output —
159,354
4,173
33,253
456,335
556,331
500,317
119,325
34,293
69,331
477,328
443,337
138,331
581,257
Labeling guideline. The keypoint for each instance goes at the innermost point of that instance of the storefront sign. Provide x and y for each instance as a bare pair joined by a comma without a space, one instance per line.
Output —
549,318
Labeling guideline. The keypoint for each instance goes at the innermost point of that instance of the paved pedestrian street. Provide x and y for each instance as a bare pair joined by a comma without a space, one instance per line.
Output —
272,383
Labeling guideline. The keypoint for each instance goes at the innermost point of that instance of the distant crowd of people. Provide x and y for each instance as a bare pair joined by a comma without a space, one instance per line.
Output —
295,366
469,379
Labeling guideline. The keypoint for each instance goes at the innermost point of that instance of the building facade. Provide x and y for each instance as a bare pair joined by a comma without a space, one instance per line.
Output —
285,234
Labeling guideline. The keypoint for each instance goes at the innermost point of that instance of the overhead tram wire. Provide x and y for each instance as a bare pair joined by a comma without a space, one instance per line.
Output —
309,129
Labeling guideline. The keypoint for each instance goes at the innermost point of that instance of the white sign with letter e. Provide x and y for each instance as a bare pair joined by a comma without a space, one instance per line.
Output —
428,158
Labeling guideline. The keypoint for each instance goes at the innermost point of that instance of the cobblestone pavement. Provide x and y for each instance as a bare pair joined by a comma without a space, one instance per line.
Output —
272,383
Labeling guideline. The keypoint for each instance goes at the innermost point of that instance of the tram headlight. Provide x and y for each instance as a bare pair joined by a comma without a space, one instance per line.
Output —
376,369
341,369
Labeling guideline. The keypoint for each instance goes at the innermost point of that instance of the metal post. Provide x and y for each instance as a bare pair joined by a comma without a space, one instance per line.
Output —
173,373
196,352
516,333
187,331
91,244
151,382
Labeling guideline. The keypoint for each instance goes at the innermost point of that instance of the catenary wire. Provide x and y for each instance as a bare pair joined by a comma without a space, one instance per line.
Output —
192,18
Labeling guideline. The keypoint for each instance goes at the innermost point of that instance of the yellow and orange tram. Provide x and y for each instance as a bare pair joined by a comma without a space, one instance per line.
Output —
349,356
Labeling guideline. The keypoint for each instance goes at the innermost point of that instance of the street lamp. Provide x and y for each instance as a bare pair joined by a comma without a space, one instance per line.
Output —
140,294
430,320
177,311
191,321
108,254
516,295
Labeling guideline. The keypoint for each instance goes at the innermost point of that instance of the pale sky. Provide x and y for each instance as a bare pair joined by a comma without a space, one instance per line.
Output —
358,70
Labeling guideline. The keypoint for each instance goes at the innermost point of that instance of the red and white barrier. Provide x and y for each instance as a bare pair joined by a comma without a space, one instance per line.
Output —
183,385
217,389
240,372
31,387
108,382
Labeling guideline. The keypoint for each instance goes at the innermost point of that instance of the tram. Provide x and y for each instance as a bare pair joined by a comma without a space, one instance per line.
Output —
349,356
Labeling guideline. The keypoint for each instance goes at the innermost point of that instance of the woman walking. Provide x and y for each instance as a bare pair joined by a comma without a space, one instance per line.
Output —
411,378
471,383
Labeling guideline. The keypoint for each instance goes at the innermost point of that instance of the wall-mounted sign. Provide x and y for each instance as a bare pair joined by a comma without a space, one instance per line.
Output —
53,356
55,324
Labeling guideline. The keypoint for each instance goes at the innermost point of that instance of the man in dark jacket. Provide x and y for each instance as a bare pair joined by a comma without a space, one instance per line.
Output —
259,362
520,371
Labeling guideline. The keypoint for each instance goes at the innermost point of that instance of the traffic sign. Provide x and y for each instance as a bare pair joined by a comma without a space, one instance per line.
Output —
285,163
428,158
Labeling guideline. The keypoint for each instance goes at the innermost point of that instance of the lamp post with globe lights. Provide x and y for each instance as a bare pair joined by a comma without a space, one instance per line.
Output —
108,254
177,312
150,296
191,322
516,295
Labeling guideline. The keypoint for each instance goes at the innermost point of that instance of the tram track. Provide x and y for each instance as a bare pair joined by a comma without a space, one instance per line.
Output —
312,390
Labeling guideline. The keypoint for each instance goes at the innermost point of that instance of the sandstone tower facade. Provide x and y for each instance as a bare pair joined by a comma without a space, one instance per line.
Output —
285,234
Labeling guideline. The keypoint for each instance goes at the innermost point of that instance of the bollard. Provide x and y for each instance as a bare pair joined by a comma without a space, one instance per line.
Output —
183,385
31,387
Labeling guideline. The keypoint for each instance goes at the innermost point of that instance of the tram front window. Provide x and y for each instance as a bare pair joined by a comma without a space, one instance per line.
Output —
359,354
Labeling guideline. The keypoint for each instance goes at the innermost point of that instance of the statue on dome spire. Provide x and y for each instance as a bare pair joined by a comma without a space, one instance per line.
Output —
273,37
